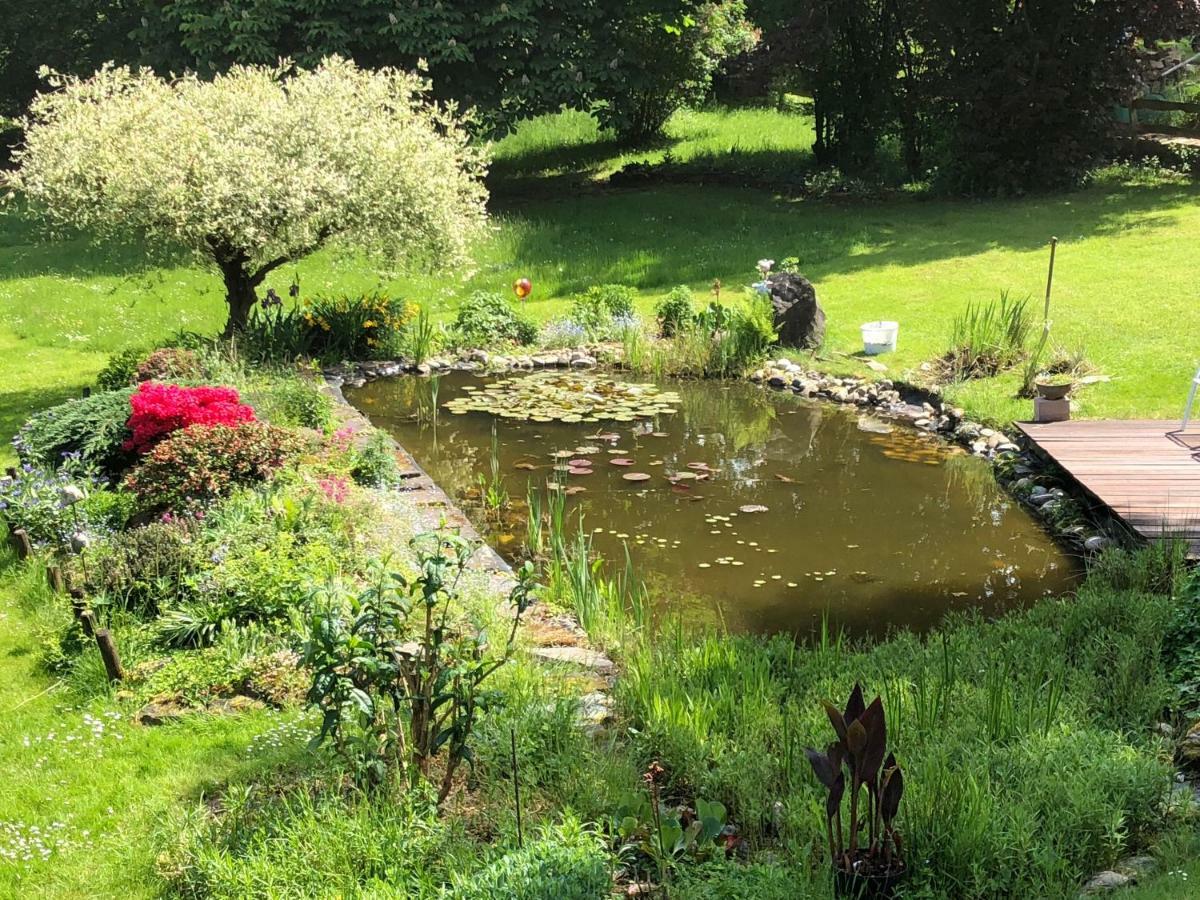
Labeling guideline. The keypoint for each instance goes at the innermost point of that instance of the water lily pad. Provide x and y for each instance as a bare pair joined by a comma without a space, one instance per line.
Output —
566,397
636,476
527,466
622,461
752,508
574,489
580,464
699,467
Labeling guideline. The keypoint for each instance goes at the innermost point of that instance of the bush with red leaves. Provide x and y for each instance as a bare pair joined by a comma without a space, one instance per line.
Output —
191,468
160,409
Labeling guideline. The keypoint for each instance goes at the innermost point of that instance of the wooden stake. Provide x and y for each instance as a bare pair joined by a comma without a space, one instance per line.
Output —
19,538
82,614
108,652
54,576
1050,278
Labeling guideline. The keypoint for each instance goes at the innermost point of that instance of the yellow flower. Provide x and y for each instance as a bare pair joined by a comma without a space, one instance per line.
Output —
370,323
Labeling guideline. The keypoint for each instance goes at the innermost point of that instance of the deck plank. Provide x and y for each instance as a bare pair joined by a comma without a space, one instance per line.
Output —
1143,470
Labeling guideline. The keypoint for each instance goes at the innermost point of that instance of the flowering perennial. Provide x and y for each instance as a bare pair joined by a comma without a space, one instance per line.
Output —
160,409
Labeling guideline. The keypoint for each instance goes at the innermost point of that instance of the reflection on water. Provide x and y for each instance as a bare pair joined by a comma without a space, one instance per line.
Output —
875,524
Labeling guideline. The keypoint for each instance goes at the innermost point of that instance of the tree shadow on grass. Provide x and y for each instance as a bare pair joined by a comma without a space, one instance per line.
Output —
29,251
18,405
655,238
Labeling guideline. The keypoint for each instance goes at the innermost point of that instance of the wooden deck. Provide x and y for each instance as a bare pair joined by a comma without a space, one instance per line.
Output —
1145,471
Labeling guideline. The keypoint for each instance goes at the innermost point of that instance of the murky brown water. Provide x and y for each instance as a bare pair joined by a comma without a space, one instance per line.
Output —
876,529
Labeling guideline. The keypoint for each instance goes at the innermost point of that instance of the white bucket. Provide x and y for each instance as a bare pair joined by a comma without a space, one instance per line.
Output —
879,337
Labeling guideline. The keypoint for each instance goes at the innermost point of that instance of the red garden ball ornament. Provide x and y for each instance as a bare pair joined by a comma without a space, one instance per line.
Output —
522,287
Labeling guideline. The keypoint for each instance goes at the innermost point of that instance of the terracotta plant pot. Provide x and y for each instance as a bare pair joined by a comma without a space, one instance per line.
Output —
1053,391
868,885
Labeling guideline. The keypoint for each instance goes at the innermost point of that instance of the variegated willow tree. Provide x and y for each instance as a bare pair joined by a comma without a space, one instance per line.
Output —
257,167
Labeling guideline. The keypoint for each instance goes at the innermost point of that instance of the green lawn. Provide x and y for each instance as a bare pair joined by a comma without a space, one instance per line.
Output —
94,796
1124,291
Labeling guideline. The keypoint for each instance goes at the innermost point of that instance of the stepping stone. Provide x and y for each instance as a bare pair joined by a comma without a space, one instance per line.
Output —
577,656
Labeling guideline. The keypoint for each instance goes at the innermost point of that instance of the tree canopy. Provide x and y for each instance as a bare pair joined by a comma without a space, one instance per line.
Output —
507,60
257,166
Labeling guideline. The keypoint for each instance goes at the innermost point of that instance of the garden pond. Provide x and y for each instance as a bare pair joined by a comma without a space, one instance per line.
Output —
740,505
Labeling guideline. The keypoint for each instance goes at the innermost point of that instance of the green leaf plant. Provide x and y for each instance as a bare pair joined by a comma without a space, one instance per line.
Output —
398,671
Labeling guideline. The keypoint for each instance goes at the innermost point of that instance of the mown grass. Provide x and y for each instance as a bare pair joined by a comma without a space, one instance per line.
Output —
1123,293
769,142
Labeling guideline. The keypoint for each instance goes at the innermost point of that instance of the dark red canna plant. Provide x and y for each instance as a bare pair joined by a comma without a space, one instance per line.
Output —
870,864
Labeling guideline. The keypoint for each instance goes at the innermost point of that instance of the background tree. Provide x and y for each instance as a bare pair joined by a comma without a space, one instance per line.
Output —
507,61
1029,85
257,167
665,58
76,36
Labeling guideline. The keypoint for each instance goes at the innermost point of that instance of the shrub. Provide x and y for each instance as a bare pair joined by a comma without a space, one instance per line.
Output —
596,310
487,318
364,327
146,568
196,465
121,369
93,427
288,399
170,364
675,311
568,862
160,409
374,461
386,705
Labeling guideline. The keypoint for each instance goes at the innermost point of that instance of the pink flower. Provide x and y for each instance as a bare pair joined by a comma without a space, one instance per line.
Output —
160,409
335,488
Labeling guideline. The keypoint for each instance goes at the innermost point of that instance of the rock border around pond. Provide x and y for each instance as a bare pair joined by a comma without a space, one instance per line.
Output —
1031,480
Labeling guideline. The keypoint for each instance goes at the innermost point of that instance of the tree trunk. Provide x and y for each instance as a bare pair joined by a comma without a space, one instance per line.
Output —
239,294
240,282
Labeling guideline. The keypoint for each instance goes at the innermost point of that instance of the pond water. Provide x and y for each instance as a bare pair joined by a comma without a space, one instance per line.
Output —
761,510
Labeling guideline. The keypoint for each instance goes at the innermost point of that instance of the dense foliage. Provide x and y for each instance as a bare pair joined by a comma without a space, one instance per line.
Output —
199,463
256,167
640,60
96,428
994,94
486,319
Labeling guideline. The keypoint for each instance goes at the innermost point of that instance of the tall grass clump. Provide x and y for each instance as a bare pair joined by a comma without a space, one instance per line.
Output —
988,338
1027,743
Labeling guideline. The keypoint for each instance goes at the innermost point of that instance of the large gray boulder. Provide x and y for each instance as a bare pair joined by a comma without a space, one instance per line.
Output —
799,318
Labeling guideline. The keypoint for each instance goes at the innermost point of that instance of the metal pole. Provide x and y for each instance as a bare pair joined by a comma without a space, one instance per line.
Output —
1187,411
